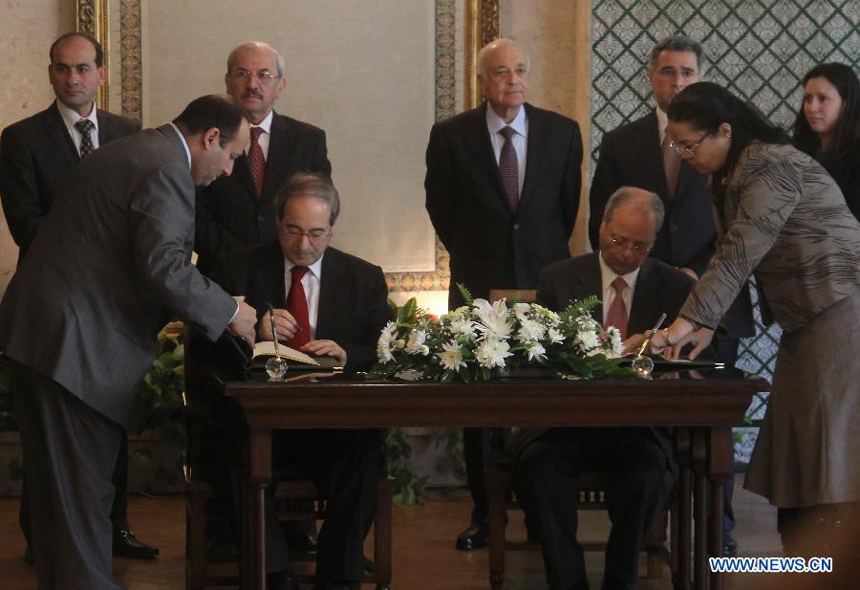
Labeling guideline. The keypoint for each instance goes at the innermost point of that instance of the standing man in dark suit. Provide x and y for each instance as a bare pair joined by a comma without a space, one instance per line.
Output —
35,156
638,154
238,211
638,461
326,303
502,190
110,265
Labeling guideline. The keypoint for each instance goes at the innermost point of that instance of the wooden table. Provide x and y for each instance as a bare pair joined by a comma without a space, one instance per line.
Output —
704,409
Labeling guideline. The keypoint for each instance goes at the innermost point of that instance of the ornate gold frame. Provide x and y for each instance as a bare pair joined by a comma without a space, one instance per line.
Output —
91,16
482,25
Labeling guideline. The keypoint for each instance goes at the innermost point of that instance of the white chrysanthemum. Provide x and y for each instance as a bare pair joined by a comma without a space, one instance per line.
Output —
587,340
410,375
400,343
536,350
416,345
385,344
531,331
492,352
555,336
616,345
462,325
451,356
493,319
521,310
587,323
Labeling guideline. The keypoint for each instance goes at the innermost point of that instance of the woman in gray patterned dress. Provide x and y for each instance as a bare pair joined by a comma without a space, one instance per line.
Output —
782,217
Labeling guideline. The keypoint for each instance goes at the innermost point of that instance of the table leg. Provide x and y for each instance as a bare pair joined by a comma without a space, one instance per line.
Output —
497,484
683,530
700,550
260,476
720,462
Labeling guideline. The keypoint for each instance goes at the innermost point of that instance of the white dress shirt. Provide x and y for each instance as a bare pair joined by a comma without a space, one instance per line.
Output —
607,275
266,136
311,285
70,117
520,125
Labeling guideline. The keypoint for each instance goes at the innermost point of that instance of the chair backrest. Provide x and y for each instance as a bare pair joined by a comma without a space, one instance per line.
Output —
522,295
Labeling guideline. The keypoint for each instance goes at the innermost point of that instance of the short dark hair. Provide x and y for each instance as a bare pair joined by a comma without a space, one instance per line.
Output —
705,106
677,43
211,110
100,54
309,184
847,130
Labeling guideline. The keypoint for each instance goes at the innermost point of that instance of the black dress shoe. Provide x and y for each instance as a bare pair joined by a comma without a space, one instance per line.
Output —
281,581
474,537
611,583
125,544
730,546
298,539
28,556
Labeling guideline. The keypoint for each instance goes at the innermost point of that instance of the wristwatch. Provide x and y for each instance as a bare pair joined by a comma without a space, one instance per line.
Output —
666,337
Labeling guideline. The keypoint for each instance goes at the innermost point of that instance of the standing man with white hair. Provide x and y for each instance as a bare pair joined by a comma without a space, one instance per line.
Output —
502,190
238,211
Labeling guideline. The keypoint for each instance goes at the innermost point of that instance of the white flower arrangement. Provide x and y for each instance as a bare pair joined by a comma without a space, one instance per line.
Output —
482,340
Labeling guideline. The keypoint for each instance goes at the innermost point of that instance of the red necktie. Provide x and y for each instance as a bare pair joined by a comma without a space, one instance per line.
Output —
509,169
297,305
256,161
617,315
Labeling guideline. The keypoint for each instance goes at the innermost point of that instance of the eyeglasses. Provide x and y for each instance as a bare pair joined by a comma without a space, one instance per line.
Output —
314,235
624,244
687,152
262,76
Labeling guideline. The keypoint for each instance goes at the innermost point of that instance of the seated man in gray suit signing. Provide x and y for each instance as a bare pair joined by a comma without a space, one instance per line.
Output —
635,291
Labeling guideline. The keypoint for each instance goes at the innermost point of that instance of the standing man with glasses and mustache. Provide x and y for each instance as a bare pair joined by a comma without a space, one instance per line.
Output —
36,154
238,211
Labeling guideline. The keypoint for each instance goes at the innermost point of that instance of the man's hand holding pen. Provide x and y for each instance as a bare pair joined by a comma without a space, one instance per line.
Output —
285,324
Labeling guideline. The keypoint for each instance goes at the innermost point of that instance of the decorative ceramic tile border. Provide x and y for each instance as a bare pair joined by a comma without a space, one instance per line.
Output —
130,59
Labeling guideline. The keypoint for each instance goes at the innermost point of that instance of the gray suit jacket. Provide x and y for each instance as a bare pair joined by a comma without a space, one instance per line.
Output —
109,266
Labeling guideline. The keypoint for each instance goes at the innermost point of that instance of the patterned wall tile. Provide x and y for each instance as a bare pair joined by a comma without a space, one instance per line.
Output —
759,49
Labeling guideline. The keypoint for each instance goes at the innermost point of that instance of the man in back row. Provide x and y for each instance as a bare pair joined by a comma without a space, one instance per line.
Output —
238,211
502,190
36,154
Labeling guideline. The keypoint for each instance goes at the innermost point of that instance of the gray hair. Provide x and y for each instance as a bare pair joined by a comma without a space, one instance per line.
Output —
677,43
231,59
632,196
482,54
309,184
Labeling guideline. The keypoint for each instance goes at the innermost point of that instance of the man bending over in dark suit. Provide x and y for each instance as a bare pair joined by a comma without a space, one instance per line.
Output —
35,155
327,303
635,290
502,191
238,211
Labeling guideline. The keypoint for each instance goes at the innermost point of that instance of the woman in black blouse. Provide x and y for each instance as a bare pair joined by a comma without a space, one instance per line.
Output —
828,126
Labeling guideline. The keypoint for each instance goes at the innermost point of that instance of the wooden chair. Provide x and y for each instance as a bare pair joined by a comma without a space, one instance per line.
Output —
591,497
291,497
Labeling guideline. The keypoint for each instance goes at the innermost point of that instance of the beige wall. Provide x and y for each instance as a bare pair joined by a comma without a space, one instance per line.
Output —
27,29
557,36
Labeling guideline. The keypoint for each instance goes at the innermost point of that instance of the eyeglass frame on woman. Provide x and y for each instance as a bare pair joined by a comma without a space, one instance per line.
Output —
687,152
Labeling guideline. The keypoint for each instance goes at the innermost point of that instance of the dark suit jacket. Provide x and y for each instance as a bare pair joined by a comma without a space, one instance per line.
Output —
659,288
229,215
36,154
489,247
109,266
631,156
353,299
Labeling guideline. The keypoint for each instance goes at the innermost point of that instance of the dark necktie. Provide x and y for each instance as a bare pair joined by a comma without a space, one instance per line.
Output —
672,165
509,170
297,305
617,315
85,126
256,161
